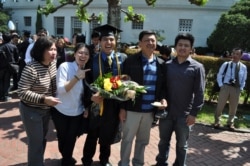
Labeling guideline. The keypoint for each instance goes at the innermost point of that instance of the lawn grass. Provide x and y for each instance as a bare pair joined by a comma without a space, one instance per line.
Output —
206,115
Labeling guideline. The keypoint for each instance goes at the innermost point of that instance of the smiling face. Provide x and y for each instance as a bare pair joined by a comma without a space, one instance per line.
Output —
108,44
148,44
183,48
82,56
49,54
236,55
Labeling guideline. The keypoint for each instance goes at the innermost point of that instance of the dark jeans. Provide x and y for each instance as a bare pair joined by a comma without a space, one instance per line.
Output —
67,128
36,124
14,69
166,128
4,82
90,148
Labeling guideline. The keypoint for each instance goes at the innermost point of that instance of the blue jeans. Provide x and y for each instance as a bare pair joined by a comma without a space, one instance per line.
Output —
36,124
166,128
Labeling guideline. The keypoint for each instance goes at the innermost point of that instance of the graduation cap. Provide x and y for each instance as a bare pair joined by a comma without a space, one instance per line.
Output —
107,30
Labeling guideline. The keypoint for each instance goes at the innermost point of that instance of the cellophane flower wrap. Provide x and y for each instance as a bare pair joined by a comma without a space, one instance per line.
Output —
117,87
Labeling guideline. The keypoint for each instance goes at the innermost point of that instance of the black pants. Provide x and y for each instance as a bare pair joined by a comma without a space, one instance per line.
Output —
14,69
90,148
67,128
4,82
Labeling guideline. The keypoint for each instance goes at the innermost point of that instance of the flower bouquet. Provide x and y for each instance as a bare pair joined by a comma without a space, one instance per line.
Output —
117,87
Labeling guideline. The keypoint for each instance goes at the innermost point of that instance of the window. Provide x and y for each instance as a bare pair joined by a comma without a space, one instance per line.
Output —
185,25
76,25
27,21
95,23
137,25
59,26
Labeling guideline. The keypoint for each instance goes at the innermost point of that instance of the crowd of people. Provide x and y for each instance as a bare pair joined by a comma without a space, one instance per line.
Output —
50,86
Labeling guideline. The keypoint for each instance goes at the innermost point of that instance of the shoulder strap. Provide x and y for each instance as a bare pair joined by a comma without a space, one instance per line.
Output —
225,69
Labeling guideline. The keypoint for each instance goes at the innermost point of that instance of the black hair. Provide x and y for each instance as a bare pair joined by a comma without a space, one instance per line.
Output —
79,46
40,46
6,37
42,30
143,33
238,49
95,34
185,36
165,50
80,38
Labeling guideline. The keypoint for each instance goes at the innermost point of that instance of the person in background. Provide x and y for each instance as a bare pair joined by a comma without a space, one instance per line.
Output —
137,116
78,38
67,115
4,77
165,52
11,52
37,89
94,47
41,33
233,83
104,126
226,54
22,47
185,78
60,45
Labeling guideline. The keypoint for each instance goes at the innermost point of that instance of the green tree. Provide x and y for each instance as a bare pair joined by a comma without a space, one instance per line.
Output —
232,29
114,9
4,21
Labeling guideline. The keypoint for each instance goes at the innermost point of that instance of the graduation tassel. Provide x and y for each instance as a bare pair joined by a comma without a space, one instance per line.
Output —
101,108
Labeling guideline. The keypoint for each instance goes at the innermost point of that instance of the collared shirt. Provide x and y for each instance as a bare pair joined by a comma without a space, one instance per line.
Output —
230,74
185,87
71,101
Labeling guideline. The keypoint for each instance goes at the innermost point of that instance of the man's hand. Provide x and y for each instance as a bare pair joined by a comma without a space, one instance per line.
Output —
122,115
190,120
97,98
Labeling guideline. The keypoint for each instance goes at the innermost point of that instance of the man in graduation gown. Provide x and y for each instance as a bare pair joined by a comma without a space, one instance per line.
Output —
104,125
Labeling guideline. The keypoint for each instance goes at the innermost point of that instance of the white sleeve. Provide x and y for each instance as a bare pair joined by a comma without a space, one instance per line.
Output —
27,54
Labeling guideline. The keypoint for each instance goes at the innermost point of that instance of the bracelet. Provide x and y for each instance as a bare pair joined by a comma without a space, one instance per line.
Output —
76,77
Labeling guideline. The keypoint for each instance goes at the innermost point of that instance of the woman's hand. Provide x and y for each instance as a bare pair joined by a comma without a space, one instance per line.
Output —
51,101
80,74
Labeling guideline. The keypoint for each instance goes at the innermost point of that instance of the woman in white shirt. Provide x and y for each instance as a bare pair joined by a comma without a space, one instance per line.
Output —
68,114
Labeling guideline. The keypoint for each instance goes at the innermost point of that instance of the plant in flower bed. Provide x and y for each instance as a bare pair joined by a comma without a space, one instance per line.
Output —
117,87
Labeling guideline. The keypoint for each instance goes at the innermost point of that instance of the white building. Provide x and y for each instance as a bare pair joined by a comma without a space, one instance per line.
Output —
171,16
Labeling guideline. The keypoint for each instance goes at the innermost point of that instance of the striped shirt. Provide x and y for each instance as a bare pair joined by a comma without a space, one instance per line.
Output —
149,79
36,81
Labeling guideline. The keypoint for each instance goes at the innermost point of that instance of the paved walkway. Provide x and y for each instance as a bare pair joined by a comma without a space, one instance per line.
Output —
207,146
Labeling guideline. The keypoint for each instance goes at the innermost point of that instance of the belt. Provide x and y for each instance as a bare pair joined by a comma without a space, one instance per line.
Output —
233,85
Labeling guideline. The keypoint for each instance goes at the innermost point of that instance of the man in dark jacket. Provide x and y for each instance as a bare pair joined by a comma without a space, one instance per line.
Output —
11,53
104,126
146,69
22,47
